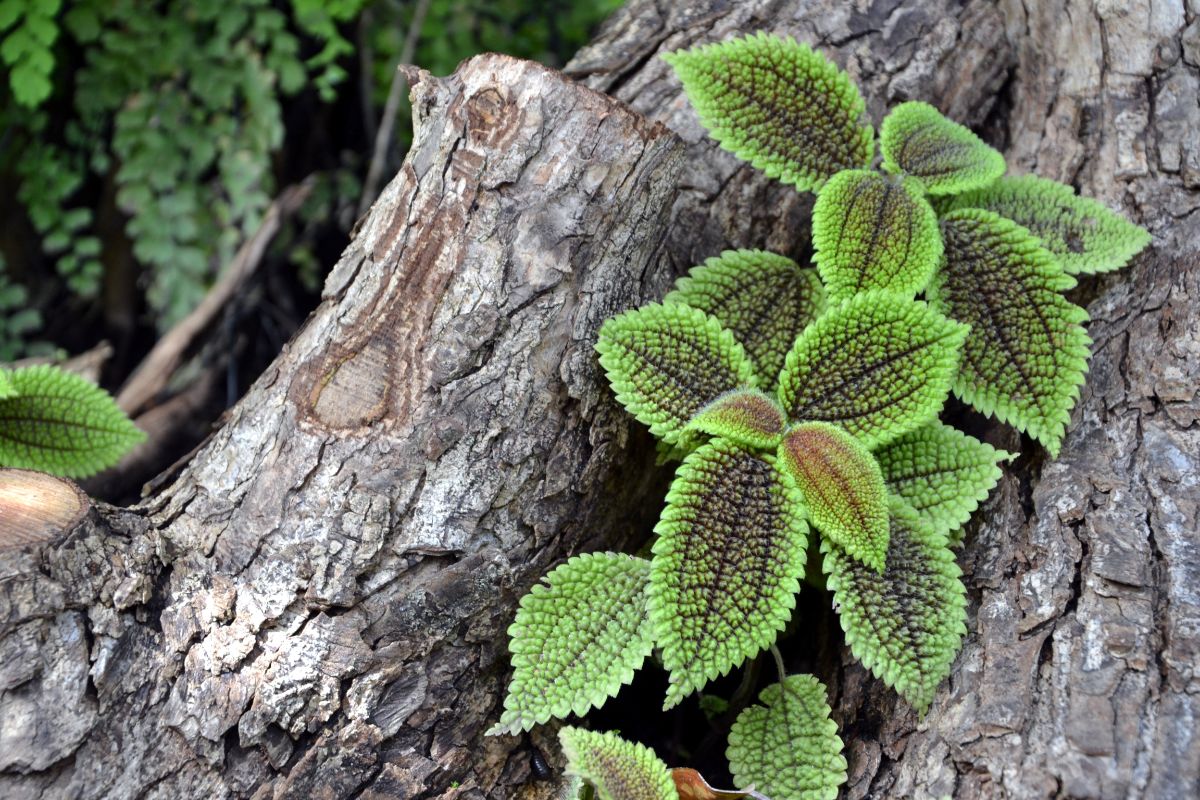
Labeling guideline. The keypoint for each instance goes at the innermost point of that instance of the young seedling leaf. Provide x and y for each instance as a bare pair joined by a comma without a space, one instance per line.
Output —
907,624
871,231
726,565
745,416
942,473
781,106
1027,352
764,299
1083,234
577,639
788,747
60,423
879,365
7,389
842,486
617,768
944,156
667,362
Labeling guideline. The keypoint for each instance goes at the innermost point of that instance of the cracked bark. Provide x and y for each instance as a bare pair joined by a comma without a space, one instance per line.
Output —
316,605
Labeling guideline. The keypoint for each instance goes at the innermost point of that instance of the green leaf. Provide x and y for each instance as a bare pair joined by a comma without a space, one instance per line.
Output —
907,624
942,473
745,416
944,156
726,565
62,424
842,486
1085,236
788,747
7,389
665,363
871,231
879,365
619,769
577,639
764,299
1027,352
778,104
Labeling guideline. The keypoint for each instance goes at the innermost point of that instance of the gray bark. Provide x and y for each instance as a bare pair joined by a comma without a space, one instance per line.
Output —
316,605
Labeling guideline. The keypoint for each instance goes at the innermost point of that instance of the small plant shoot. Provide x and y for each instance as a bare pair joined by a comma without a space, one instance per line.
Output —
805,407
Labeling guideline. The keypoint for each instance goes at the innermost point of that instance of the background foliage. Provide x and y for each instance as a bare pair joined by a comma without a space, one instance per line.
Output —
143,141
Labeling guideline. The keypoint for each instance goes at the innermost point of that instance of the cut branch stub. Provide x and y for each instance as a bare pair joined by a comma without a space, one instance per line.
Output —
36,508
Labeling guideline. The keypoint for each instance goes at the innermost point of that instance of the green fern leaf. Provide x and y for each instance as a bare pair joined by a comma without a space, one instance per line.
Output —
907,624
778,104
842,486
944,156
1027,352
1085,236
726,565
879,365
577,639
60,423
942,473
874,232
7,389
617,768
764,299
788,747
665,363
745,416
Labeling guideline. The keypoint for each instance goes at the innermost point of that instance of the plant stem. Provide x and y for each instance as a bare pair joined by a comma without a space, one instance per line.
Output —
779,663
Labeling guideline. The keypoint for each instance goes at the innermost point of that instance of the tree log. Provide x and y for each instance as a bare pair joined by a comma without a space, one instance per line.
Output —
316,605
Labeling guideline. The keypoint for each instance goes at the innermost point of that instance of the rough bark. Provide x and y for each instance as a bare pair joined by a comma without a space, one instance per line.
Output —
316,605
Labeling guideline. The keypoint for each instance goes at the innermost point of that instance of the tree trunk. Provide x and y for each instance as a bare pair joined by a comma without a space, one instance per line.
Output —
315,607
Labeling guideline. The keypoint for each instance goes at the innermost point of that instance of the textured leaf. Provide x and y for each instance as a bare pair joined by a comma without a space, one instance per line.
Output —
60,423
577,639
1085,235
1027,352
942,473
788,747
666,362
842,486
871,231
879,365
619,769
944,156
7,389
907,624
726,564
745,416
764,299
781,106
